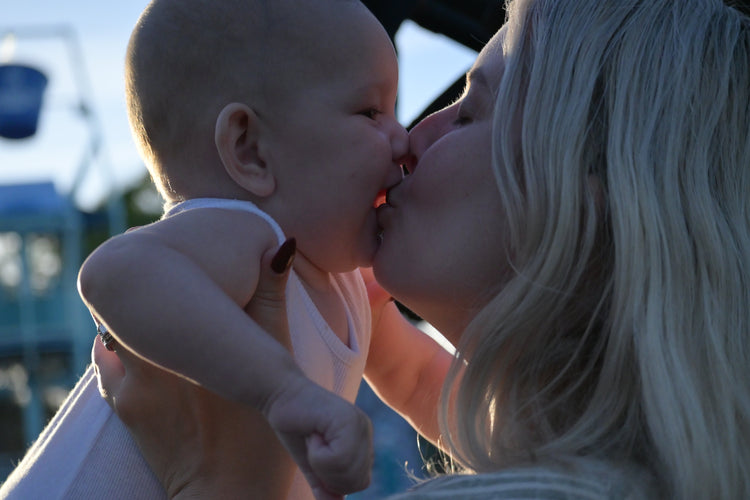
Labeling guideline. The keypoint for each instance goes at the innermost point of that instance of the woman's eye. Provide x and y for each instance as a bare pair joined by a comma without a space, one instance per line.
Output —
463,116
462,119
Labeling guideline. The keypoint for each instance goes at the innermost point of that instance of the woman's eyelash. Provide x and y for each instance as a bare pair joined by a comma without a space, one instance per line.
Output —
462,119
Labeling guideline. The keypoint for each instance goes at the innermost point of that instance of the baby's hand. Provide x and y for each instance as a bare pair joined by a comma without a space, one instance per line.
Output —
329,438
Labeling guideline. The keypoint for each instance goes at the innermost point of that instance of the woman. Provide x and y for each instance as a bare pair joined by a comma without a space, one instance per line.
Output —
578,225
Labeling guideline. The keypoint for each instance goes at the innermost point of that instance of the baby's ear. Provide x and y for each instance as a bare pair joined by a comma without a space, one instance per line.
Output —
237,137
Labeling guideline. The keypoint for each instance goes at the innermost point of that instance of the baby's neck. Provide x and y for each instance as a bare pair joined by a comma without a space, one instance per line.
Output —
320,287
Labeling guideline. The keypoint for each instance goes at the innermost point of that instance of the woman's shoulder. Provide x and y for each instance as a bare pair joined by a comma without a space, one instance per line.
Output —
582,480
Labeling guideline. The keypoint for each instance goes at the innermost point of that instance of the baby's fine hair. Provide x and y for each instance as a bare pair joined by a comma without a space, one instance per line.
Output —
625,332
186,59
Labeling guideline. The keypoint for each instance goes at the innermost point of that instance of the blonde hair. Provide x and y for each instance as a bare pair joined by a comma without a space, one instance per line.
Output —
624,334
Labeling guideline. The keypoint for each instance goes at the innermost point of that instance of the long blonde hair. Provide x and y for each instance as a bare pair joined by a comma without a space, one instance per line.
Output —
624,334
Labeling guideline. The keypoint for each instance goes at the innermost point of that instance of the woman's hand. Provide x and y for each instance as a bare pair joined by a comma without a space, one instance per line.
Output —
198,444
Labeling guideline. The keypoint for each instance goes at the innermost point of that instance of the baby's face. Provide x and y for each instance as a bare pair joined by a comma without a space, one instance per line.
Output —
337,144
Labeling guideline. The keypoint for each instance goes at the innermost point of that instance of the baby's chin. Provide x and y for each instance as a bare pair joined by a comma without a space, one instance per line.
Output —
366,261
380,271
368,250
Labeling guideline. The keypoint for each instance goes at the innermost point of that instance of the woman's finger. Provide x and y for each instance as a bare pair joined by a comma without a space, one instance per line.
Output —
268,305
109,369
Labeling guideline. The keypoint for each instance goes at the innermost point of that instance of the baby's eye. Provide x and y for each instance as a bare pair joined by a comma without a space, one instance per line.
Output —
370,113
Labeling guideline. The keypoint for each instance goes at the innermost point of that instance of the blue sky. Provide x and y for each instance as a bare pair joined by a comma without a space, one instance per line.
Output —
50,34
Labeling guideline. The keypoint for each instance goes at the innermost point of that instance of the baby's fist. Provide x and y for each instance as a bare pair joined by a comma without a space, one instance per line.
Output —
329,438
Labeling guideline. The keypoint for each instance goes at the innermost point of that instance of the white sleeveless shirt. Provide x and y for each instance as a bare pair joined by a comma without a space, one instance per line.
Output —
319,352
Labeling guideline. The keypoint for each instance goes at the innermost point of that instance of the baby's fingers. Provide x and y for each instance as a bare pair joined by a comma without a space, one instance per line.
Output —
343,459
319,490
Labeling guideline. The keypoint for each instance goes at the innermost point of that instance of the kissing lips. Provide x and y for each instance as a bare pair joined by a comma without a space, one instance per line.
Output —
382,208
382,214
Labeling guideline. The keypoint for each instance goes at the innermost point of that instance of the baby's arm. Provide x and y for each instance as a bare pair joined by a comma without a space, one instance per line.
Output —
405,367
170,292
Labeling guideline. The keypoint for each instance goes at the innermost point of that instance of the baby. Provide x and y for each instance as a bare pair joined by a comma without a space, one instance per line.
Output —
258,120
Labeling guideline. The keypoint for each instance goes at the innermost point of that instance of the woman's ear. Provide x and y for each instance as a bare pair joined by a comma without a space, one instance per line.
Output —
237,137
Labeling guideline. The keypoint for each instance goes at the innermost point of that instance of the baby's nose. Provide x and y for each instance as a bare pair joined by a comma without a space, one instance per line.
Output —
399,143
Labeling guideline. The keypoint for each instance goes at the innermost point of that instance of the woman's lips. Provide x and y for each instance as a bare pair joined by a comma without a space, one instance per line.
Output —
382,214
379,218
380,204
382,211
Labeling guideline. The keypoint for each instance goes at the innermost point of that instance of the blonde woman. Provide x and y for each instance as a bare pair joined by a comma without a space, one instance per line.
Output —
578,225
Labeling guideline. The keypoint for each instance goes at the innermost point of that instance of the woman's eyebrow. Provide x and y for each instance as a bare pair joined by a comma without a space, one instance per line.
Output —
477,77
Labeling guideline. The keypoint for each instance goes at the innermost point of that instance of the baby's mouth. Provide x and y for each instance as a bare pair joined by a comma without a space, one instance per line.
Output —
380,199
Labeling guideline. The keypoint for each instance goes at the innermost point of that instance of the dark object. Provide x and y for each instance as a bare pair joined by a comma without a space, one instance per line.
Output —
741,5
21,91
468,22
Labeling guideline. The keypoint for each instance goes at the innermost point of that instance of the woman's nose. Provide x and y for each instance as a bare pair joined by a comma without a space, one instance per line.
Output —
427,132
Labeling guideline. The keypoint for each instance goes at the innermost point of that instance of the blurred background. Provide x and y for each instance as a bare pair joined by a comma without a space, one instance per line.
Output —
70,177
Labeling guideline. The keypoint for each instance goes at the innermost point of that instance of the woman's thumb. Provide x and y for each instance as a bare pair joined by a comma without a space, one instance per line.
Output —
283,258
268,305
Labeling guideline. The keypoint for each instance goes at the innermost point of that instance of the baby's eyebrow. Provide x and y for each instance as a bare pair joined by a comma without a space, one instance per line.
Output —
376,84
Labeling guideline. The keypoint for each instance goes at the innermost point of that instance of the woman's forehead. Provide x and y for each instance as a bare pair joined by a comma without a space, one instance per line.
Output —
491,60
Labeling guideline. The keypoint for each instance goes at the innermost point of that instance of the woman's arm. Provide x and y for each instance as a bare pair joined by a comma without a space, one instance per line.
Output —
405,367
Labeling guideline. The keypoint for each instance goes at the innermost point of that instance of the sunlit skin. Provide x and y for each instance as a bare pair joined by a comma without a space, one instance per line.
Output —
312,145
446,216
356,142
442,247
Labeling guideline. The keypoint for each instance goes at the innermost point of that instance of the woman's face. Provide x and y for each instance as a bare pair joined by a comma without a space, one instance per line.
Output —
443,245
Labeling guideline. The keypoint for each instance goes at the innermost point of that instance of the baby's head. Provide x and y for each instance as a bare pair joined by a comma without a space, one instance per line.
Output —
185,61
286,103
